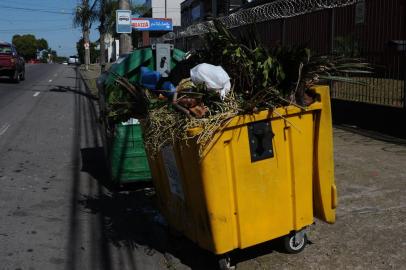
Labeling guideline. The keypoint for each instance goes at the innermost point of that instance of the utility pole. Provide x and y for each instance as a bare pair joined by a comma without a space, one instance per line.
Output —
125,39
166,9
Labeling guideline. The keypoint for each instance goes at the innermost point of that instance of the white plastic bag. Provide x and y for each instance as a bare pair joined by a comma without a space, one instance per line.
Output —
215,78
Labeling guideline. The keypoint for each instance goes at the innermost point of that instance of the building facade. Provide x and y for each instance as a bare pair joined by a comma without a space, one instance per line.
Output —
193,11
165,9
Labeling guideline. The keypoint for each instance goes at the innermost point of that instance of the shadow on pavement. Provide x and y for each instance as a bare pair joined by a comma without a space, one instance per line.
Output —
131,221
373,117
7,80
93,162
85,131
60,88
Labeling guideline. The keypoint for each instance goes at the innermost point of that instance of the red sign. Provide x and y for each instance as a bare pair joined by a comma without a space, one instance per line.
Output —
141,24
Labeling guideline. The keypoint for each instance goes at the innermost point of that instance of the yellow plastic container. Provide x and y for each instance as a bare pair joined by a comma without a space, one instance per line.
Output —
231,198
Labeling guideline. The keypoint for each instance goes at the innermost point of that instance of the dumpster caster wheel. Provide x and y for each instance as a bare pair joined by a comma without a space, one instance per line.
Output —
295,242
225,263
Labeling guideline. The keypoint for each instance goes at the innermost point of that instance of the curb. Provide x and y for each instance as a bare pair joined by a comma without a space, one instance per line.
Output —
86,83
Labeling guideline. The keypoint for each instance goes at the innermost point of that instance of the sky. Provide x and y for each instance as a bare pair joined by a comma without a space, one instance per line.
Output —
49,19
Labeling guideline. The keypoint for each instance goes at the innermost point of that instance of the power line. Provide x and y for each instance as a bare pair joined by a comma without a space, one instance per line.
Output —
29,20
36,10
41,5
34,30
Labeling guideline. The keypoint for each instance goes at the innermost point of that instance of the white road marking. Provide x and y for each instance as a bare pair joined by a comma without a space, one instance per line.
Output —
50,80
36,94
4,128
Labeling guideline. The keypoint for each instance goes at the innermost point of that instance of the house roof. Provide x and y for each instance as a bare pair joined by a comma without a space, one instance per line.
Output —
4,43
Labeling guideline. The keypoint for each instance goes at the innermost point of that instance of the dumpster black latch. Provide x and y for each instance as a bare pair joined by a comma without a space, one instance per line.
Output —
260,136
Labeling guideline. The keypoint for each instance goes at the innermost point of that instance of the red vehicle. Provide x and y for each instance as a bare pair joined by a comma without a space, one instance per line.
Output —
12,64
34,61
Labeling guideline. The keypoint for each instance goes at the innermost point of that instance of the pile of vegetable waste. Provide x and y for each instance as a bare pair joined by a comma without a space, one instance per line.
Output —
229,77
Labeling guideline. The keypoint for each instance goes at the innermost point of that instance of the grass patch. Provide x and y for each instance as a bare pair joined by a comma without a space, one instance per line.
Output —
90,76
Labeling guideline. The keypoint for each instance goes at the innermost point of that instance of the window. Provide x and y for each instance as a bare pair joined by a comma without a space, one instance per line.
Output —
196,14
5,49
360,12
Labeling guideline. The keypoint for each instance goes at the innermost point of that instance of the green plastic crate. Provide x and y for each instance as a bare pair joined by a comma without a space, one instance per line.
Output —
128,159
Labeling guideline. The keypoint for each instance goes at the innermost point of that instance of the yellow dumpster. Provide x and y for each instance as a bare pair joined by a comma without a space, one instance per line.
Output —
264,176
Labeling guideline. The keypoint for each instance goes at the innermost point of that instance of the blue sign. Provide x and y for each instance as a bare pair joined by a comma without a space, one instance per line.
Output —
152,24
123,21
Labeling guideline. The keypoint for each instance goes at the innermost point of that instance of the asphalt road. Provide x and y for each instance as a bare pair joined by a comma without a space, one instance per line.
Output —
55,214
37,160
45,122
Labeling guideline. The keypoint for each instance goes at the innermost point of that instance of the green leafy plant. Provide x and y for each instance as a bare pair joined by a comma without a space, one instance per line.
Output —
261,78
272,77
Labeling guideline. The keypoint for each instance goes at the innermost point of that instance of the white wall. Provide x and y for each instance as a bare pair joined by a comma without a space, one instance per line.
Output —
112,47
172,10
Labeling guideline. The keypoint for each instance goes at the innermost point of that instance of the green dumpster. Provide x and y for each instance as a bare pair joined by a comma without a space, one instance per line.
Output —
123,144
129,65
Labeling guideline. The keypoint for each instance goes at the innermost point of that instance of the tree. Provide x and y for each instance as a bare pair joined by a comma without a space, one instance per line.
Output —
42,44
102,16
44,56
28,45
106,15
347,46
49,55
94,53
110,22
84,16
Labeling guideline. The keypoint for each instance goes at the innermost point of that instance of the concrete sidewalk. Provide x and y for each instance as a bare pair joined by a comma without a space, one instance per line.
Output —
371,216
90,76
369,233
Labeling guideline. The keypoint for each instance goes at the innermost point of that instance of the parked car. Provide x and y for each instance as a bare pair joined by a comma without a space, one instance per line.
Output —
73,60
12,64
34,61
